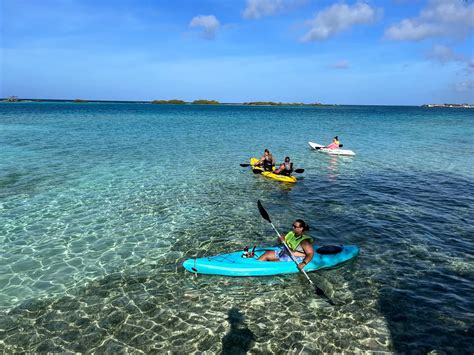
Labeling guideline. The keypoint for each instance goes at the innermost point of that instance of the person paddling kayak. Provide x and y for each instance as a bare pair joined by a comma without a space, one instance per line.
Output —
301,246
286,168
266,162
335,143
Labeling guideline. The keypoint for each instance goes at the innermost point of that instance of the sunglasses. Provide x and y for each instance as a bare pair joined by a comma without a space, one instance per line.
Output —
295,226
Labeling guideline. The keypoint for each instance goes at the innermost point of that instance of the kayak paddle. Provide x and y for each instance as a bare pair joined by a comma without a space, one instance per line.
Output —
299,171
259,171
265,216
316,148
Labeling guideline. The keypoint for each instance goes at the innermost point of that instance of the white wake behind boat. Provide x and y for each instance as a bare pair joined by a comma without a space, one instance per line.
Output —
320,148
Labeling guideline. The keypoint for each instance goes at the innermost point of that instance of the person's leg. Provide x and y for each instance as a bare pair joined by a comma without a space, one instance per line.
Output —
270,255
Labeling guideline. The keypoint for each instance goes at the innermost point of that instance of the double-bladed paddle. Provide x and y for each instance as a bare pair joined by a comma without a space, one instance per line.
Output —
318,291
299,171
340,146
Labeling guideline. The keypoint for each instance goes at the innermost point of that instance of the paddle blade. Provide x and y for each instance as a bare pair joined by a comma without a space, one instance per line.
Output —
341,145
263,212
299,171
244,165
257,171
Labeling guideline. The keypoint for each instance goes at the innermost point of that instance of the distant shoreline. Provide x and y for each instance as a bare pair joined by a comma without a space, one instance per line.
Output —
449,105
215,103
169,102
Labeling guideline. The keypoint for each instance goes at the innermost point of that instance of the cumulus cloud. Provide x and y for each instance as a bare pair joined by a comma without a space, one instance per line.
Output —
209,24
443,54
448,18
342,64
260,8
339,18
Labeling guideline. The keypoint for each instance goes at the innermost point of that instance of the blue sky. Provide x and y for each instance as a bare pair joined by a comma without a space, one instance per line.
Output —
393,52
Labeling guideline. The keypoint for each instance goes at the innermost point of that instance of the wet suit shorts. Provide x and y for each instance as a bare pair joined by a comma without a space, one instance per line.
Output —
283,255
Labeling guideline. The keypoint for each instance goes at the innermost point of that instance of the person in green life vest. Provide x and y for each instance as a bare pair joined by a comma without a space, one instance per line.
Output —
301,246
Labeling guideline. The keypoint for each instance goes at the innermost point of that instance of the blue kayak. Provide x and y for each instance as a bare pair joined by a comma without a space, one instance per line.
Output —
235,264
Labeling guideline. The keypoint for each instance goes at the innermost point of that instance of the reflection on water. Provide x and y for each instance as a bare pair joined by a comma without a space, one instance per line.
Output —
332,168
100,204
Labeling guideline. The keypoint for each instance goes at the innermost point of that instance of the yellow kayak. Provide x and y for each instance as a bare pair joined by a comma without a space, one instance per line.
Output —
269,174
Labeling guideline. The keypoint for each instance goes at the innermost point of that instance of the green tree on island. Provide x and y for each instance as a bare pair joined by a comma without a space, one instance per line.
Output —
168,102
206,102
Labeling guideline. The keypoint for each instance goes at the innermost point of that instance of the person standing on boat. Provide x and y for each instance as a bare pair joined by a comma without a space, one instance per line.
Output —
335,143
300,244
286,168
266,161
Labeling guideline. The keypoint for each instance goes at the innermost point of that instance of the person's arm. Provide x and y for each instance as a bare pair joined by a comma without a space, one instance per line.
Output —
279,170
309,253
281,239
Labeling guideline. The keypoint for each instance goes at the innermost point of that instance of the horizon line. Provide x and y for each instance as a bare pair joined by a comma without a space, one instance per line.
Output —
18,100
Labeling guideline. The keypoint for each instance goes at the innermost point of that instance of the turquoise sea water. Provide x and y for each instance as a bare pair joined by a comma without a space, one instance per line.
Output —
101,203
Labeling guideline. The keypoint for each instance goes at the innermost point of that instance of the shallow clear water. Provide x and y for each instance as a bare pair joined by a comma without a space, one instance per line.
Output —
100,203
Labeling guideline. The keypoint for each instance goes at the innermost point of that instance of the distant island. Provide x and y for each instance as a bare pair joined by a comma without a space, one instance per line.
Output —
206,102
168,102
16,99
449,105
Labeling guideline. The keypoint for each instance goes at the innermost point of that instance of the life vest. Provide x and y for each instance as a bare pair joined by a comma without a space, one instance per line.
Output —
294,242
288,169
267,165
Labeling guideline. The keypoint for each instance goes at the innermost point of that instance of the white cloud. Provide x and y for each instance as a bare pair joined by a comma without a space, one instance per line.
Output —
338,18
261,8
443,54
465,86
448,18
210,24
342,64
470,66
